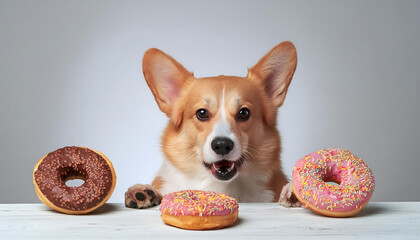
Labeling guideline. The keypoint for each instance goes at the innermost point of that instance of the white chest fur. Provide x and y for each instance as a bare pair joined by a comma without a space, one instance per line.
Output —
245,187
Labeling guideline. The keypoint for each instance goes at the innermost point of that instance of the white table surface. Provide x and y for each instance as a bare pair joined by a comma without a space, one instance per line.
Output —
396,220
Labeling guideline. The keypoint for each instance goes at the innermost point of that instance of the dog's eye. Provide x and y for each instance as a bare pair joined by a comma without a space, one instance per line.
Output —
243,114
202,114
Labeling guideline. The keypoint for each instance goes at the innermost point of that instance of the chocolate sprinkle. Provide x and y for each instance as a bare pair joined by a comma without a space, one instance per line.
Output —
74,162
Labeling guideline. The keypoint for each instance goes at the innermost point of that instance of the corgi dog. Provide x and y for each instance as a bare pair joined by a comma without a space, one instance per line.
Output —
222,132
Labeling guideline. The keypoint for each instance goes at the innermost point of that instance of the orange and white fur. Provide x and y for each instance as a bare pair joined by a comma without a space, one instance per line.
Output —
222,133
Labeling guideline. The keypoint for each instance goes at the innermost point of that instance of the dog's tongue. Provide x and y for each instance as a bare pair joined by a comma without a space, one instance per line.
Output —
223,170
223,164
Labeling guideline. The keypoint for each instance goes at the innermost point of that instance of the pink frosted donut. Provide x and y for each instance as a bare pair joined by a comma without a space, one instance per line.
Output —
198,210
354,178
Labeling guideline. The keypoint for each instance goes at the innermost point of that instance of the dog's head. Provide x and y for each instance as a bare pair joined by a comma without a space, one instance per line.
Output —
221,123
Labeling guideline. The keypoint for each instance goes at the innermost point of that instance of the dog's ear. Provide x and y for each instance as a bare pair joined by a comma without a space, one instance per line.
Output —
275,71
165,77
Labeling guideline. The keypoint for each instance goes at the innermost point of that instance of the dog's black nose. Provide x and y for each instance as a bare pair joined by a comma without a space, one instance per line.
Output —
222,145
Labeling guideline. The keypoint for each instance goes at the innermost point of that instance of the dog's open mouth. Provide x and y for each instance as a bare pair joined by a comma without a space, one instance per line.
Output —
224,169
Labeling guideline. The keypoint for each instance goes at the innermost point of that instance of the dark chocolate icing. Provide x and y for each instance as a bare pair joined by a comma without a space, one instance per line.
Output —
74,162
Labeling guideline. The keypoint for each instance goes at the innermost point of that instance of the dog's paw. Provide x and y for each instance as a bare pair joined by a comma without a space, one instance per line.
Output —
142,196
288,198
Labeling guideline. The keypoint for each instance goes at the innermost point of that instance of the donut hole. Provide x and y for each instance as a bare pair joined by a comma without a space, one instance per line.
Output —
73,177
77,182
332,181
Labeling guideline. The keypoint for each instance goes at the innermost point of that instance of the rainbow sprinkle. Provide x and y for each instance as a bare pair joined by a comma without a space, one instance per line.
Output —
355,178
198,203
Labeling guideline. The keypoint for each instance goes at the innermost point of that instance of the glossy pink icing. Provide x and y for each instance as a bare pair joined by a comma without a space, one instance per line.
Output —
198,203
355,178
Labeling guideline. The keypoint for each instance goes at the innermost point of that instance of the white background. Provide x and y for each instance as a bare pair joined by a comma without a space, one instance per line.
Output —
70,74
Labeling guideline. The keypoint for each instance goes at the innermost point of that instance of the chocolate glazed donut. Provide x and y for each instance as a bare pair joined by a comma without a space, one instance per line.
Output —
54,169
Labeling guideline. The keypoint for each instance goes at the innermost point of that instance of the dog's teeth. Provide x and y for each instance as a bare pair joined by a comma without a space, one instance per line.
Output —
231,167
